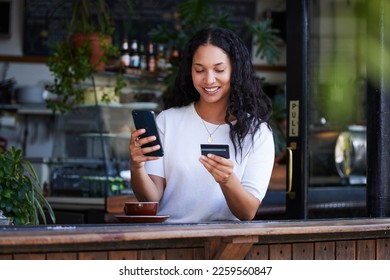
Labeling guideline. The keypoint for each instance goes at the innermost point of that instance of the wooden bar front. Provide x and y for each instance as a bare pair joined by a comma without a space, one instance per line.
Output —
354,239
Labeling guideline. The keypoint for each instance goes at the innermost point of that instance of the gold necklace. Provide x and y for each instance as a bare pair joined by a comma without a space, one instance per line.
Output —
210,138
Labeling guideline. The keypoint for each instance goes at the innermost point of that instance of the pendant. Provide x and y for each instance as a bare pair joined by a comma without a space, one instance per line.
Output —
210,139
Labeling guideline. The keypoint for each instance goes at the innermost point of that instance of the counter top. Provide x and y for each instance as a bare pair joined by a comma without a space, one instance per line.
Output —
233,239
58,234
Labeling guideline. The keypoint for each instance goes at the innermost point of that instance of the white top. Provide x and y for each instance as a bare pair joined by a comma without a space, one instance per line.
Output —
191,193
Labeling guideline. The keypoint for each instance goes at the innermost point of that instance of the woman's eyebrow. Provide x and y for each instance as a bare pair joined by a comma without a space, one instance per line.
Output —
200,64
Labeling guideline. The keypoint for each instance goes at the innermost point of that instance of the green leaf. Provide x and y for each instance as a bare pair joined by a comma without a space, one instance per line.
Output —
20,196
6,194
266,39
42,200
41,212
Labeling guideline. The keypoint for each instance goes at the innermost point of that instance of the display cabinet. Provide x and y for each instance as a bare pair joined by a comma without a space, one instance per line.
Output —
90,150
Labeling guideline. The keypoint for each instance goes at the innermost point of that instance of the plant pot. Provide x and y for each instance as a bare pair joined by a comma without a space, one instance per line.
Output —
97,45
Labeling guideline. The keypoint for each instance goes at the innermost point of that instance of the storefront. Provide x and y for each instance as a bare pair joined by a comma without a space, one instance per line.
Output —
335,164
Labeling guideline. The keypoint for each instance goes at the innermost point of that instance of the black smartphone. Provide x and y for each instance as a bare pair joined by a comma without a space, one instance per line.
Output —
146,119
216,149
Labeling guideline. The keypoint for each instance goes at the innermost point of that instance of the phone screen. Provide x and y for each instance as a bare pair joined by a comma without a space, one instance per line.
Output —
146,119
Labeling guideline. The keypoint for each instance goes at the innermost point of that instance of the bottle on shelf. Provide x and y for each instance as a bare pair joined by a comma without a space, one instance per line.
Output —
175,56
124,60
161,58
134,55
143,62
152,65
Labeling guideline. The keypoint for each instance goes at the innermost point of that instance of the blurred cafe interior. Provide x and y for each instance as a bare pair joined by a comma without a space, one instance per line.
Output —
327,79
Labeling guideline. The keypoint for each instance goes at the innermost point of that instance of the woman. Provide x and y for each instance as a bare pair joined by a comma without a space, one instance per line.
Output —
217,99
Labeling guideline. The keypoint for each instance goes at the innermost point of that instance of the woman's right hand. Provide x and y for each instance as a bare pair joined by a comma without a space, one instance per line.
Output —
137,153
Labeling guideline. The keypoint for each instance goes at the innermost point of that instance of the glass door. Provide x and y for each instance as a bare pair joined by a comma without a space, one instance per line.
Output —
326,90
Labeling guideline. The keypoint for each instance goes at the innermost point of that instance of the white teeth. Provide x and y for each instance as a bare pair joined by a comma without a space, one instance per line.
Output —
211,89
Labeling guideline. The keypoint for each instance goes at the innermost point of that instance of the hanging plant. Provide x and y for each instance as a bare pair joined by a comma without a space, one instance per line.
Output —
71,64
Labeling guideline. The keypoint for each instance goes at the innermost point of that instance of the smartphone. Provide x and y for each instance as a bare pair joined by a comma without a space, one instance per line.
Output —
146,119
216,149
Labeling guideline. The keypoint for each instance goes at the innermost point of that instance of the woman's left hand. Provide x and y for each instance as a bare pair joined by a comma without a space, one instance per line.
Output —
220,168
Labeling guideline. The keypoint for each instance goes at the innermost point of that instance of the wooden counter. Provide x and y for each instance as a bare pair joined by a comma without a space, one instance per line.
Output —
312,239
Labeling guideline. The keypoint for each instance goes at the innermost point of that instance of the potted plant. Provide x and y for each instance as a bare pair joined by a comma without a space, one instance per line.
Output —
73,60
267,39
20,190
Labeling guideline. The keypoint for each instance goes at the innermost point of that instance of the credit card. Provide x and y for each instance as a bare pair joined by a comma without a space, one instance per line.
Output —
215,149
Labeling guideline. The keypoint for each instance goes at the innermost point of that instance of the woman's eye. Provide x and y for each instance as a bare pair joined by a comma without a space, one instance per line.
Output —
219,71
198,71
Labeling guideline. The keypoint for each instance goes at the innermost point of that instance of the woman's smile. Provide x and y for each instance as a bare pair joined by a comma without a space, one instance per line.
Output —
211,90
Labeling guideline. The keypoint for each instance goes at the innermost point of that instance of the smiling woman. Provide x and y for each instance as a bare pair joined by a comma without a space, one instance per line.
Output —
218,99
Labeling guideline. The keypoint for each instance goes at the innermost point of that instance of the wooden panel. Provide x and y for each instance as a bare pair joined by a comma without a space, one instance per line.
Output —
231,251
62,256
303,251
346,250
152,255
211,247
324,251
235,248
383,249
258,252
6,257
365,250
180,254
122,255
199,253
93,255
280,252
29,256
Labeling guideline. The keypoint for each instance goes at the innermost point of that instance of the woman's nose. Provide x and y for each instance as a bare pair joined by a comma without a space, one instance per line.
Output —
210,78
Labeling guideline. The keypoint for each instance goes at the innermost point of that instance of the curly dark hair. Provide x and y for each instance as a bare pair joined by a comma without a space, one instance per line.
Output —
247,102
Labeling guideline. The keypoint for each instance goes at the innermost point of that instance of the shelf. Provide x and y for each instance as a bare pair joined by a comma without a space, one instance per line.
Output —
43,59
77,203
23,59
131,105
34,110
41,109
76,161
10,107
123,135
31,109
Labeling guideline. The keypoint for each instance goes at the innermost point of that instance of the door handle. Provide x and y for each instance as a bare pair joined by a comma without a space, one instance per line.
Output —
290,192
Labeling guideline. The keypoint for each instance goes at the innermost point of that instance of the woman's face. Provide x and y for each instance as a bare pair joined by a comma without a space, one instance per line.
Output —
211,72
